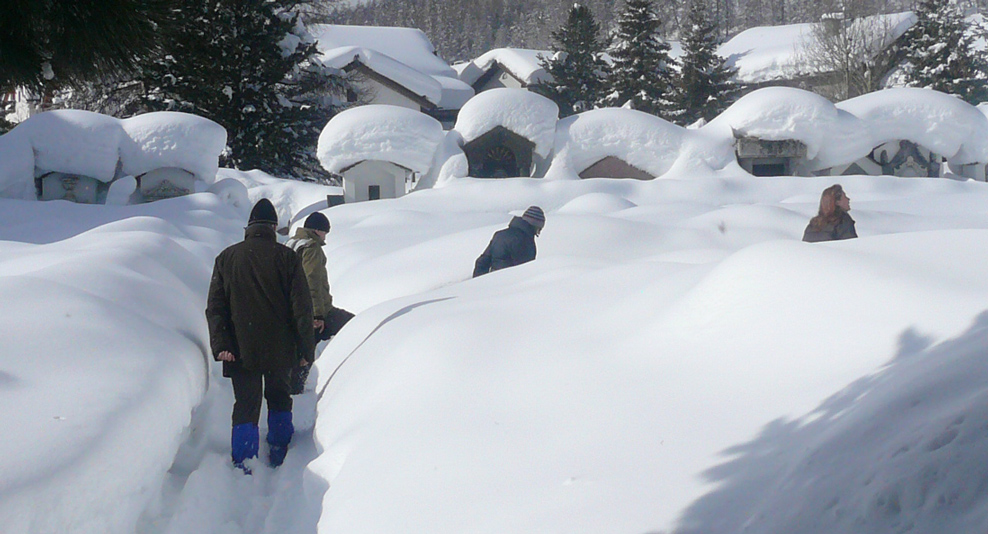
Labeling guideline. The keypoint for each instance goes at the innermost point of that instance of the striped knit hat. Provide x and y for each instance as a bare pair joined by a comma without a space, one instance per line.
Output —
534,216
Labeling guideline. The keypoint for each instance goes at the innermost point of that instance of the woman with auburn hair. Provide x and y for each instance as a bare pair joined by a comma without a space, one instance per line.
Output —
832,221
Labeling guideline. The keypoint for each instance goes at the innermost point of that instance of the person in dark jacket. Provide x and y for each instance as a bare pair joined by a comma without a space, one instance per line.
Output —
260,326
832,221
514,245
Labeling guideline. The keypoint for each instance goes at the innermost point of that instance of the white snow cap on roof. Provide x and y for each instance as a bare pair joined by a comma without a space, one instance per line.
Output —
523,112
415,81
171,139
521,63
767,53
408,45
379,132
832,136
74,142
642,140
940,122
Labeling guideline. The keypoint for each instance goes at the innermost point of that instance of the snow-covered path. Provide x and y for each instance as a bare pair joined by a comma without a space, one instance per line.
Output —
204,493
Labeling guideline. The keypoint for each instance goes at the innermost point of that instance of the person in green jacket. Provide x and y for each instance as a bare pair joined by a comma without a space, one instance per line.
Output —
307,243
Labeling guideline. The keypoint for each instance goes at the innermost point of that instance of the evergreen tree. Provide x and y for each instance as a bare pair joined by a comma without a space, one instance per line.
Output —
938,55
642,73
577,70
249,66
704,88
53,43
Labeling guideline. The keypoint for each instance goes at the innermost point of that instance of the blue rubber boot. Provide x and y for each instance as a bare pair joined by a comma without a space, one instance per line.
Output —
243,444
280,430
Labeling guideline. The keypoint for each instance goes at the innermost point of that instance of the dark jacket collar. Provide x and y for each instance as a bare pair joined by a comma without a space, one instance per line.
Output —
521,224
260,231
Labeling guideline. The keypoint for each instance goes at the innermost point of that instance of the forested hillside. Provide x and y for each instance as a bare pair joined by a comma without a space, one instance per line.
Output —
463,29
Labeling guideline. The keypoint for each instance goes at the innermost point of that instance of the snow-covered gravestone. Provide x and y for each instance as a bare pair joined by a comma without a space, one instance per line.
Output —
779,131
168,152
65,154
507,132
379,150
615,143
914,131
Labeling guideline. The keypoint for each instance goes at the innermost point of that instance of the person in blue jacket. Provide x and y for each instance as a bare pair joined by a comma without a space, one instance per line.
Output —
514,245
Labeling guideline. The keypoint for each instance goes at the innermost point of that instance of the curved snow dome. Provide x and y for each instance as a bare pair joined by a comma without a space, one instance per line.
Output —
940,122
380,132
172,139
832,136
521,111
639,139
73,141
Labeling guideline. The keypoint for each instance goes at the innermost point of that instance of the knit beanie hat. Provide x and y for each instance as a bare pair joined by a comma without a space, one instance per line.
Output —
535,217
316,221
263,212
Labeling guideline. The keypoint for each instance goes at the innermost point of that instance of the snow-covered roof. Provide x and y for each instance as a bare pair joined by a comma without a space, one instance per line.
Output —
408,45
940,122
455,93
172,139
766,53
522,63
642,140
91,144
415,81
380,132
832,136
523,112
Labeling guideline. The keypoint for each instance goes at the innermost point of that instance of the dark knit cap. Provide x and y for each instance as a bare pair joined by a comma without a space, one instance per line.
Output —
317,221
534,216
263,212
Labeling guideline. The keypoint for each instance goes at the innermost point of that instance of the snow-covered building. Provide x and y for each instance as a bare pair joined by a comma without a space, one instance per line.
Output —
615,143
393,66
507,132
78,155
778,55
515,68
381,151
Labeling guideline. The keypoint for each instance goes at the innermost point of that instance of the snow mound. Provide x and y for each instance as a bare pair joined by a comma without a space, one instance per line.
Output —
596,203
525,113
172,139
832,136
380,132
940,122
641,140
